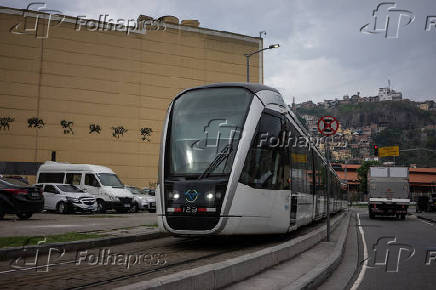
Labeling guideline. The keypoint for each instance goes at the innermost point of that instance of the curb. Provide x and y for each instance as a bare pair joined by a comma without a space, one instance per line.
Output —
424,218
21,252
224,273
317,276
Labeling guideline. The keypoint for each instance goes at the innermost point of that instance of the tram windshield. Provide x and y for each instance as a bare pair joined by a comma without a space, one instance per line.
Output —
204,132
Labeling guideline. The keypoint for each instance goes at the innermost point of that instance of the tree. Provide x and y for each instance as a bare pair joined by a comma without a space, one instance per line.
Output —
362,174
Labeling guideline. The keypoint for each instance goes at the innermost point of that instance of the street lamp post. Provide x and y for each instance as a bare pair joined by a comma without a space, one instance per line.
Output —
248,55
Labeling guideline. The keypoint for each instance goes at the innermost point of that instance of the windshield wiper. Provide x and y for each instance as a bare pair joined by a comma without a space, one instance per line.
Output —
222,155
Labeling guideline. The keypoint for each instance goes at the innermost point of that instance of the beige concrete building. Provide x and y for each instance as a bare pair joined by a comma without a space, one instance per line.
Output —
107,79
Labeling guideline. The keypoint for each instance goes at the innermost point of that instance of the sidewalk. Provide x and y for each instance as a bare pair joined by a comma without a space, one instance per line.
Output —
101,238
43,224
429,216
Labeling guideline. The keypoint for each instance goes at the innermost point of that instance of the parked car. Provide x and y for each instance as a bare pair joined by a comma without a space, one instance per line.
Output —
19,198
19,178
99,181
149,191
65,198
143,200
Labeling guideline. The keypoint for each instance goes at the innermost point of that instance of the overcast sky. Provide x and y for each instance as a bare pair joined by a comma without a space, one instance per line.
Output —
323,54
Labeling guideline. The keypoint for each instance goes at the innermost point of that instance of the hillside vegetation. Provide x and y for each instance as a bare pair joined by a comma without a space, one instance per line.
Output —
404,123
400,114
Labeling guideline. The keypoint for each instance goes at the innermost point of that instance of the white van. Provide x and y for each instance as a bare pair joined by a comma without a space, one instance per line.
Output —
97,180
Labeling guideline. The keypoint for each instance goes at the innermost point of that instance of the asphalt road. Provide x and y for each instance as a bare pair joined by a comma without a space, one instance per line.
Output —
51,224
397,253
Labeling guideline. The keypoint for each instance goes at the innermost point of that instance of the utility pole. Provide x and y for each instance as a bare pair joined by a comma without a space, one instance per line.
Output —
328,126
346,180
248,55
328,189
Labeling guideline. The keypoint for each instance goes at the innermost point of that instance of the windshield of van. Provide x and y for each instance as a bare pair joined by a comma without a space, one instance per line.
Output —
110,179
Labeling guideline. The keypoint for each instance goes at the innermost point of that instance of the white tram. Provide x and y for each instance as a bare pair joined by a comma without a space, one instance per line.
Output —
235,160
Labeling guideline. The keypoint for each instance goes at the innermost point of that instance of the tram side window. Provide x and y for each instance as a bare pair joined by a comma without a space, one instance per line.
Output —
324,179
309,172
319,176
287,158
266,160
299,162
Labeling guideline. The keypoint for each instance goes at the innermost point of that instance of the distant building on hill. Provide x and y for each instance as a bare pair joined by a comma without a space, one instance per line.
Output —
307,105
387,94
373,99
427,106
355,98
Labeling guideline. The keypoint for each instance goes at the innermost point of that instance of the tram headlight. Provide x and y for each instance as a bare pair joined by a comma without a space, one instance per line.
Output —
173,195
210,196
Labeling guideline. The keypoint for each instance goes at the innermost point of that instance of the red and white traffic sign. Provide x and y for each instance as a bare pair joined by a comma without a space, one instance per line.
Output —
328,125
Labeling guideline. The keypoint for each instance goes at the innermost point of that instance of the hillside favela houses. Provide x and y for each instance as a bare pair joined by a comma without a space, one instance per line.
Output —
362,127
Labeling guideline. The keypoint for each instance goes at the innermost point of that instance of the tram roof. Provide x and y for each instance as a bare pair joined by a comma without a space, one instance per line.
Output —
252,87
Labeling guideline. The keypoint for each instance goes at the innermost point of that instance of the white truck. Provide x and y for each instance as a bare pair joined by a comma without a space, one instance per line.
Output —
99,181
388,189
